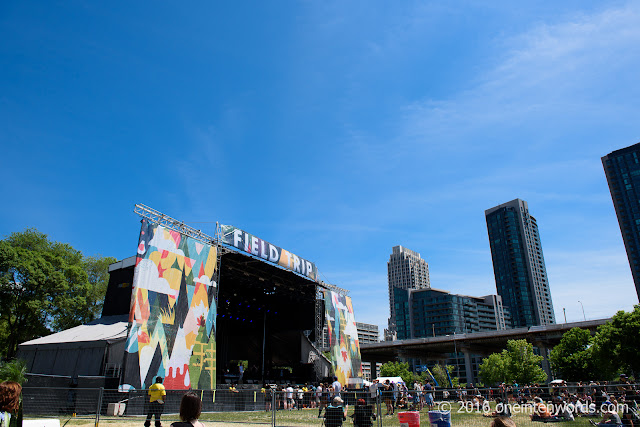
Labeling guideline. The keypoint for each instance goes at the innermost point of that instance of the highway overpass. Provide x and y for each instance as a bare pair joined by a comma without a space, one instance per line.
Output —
477,343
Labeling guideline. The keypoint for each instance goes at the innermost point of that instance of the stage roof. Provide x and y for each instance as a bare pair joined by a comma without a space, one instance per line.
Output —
108,329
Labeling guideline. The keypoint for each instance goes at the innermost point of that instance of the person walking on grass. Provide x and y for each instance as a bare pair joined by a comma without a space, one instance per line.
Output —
157,395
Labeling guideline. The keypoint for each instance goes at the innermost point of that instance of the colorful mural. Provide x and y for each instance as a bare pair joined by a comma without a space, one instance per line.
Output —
343,338
173,312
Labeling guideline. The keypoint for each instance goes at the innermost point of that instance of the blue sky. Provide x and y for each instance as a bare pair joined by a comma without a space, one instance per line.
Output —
333,129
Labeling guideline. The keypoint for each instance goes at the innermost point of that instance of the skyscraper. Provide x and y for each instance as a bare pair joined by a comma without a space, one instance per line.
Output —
622,169
405,270
518,264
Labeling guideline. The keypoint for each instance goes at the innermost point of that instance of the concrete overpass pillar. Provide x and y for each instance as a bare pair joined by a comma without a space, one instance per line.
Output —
372,364
544,352
468,366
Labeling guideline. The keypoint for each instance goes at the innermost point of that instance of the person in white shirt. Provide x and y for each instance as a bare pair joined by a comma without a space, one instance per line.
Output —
318,395
373,395
300,399
337,387
288,402
419,394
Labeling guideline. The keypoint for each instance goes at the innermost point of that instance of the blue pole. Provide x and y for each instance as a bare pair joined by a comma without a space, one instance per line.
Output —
433,378
448,376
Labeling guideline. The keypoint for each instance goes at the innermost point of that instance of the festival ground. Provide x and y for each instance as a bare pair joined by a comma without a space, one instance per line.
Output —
309,417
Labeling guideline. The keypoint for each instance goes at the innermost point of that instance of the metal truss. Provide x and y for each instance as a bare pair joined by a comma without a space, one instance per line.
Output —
319,320
179,226
334,288
218,241
172,223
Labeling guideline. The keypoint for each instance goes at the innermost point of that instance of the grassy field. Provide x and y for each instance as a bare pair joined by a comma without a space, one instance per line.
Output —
308,417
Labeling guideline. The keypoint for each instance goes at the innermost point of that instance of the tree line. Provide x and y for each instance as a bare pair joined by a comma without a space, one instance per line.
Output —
611,351
46,287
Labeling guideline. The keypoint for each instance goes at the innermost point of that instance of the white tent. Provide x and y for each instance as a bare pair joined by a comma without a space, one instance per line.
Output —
391,379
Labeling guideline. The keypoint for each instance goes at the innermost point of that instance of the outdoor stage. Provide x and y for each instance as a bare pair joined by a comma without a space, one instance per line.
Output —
200,311
264,315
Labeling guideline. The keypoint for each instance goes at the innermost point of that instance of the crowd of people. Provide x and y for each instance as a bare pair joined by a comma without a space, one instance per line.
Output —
612,404
608,404
326,397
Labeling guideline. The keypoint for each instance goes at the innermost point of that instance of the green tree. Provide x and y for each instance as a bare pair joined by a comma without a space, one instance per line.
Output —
492,369
397,369
44,287
13,370
440,374
616,344
524,365
572,358
517,363
97,268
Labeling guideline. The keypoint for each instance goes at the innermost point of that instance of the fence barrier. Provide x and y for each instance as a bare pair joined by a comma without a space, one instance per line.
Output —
279,406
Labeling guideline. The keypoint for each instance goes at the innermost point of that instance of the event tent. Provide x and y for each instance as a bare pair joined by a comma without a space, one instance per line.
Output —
94,349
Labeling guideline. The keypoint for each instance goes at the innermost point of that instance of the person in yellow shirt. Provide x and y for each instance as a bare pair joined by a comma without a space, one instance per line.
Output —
157,395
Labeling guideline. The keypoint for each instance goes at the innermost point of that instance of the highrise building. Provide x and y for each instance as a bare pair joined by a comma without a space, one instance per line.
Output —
367,333
518,264
405,270
423,313
622,169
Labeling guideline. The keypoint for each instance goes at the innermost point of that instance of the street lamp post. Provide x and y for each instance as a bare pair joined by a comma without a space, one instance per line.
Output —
583,315
455,350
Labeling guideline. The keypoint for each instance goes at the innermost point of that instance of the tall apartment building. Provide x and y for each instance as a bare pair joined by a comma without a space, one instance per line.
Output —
518,264
622,169
367,333
405,270
422,313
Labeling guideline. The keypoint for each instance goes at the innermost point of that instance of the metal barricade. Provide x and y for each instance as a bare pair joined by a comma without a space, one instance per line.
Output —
280,405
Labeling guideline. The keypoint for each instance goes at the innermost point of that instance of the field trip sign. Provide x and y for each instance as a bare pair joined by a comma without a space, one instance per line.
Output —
255,246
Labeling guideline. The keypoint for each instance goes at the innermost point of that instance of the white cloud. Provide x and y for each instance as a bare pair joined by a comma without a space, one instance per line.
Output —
549,76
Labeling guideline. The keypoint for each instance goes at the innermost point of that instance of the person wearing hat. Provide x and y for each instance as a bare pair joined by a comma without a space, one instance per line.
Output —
623,385
335,413
157,394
